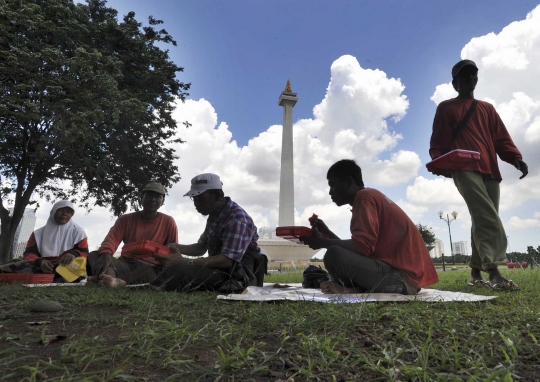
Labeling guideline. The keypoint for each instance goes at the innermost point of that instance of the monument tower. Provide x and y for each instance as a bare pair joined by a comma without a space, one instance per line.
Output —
287,99
276,248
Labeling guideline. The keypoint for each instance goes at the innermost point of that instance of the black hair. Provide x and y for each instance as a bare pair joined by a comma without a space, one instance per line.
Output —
345,168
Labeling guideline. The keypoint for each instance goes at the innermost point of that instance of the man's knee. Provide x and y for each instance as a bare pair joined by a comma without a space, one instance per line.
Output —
333,257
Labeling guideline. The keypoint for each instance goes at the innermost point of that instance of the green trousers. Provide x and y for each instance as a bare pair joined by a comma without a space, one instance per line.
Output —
488,239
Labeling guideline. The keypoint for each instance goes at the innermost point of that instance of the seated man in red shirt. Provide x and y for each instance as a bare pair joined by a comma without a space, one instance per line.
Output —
385,254
148,224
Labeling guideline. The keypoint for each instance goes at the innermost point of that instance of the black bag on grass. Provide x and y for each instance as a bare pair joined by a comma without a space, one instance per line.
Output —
314,276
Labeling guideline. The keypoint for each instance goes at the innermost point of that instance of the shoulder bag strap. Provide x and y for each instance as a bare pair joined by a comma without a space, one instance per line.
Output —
464,120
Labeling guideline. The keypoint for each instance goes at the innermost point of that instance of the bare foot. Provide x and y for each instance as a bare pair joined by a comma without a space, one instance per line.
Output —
476,275
110,282
332,287
495,276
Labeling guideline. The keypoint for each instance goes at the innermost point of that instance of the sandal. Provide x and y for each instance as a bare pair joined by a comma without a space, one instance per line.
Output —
505,286
480,283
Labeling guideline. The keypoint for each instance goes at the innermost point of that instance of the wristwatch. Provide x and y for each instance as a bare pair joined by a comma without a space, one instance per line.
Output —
189,261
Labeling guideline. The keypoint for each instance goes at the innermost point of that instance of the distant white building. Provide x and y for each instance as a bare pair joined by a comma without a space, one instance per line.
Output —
23,232
461,247
438,250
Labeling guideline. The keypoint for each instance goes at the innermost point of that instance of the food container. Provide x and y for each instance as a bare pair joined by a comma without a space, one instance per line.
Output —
143,250
293,233
453,161
26,278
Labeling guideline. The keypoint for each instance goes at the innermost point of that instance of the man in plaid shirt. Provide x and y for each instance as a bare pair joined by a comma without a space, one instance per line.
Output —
234,260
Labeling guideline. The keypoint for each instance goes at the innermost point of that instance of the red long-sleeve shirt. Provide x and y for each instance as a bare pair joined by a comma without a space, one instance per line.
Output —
381,230
31,253
131,227
484,132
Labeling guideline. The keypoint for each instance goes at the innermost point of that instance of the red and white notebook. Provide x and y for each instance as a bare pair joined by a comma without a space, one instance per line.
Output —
293,233
453,161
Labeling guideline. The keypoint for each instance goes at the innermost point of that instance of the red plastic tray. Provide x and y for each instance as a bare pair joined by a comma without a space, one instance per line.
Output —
144,249
26,278
293,233
454,160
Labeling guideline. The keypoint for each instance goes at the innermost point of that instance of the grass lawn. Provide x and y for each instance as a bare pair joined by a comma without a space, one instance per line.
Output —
143,335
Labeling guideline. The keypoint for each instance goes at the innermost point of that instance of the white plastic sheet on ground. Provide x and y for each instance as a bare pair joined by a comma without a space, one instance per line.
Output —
81,283
295,292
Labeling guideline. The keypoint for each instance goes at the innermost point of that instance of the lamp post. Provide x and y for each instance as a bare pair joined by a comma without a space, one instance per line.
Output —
448,221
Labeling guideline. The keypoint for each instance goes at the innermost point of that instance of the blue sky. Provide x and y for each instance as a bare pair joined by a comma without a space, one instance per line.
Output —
238,56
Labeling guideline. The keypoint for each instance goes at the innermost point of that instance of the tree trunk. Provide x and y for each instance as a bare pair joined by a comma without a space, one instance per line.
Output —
6,237
9,223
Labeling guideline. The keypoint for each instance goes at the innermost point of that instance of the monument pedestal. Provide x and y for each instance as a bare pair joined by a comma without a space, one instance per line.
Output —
283,250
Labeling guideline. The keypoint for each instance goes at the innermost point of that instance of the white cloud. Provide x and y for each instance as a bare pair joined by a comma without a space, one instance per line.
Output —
434,195
434,192
414,211
350,122
515,193
402,166
443,92
532,134
517,224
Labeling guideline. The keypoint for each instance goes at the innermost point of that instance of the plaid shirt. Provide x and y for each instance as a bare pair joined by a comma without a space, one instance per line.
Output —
231,234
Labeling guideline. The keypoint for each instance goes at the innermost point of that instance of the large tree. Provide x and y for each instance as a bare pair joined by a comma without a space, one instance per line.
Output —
85,107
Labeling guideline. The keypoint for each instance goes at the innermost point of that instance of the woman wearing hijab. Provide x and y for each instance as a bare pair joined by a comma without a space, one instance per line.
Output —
58,242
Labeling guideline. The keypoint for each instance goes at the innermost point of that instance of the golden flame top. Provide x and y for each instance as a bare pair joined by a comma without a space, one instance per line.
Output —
288,87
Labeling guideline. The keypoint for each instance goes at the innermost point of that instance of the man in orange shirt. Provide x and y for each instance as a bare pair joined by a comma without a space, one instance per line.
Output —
148,224
478,183
385,254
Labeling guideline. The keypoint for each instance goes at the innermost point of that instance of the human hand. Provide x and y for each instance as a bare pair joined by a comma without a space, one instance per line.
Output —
322,227
46,267
67,259
175,257
521,166
315,240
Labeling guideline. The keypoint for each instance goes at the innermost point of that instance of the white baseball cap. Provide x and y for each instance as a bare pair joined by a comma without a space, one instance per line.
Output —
204,182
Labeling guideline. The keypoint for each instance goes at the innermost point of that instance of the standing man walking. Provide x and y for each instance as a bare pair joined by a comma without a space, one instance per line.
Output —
478,182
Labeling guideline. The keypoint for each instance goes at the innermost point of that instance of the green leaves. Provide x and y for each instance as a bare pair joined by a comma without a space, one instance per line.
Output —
86,105
427,233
